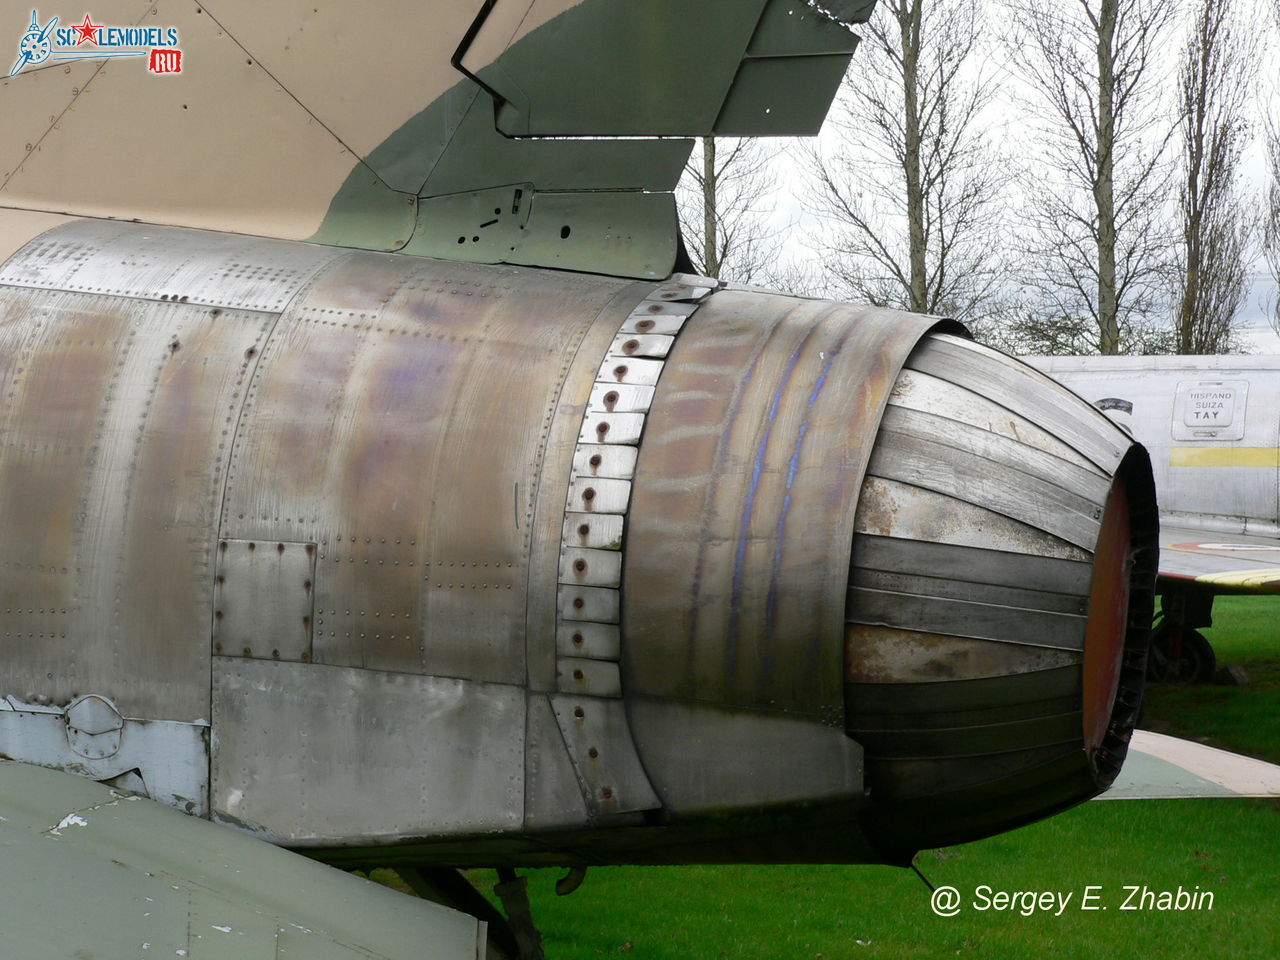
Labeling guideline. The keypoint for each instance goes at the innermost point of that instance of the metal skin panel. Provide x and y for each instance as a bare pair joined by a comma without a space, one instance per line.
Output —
599,641
263,599
399,420
604,460
297,746
742,514
917,514
919,391
420,424
601,531
1009,386
800,760
972,631
166,264
553,794
603,753
117,425
588,678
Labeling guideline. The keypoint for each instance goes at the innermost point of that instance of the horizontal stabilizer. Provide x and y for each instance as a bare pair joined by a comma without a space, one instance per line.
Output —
538,132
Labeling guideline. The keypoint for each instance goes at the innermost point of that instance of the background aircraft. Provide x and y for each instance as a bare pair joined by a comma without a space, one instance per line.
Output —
373,482
1211,427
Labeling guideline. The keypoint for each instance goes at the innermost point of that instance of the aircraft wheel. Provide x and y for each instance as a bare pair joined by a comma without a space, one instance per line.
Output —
1179,655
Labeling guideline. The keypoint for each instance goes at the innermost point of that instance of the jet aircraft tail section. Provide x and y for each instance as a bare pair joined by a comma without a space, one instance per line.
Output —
536,132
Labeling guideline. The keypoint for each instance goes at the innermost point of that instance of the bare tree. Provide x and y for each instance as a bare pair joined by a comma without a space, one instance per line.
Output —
1094,200
1271,203
1212,278
909,189
723,204
1271,222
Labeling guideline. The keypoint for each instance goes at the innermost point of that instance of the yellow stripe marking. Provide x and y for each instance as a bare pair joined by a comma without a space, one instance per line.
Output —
1242,578
1224,457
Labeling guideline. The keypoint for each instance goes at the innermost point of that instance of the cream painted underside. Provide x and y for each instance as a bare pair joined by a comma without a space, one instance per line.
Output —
274,107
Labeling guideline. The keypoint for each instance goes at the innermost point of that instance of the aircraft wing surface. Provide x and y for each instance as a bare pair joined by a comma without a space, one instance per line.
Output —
90,872
1159,767
1222,563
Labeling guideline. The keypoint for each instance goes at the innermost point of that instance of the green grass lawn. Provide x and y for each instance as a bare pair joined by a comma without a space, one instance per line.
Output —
1245,719
1228,847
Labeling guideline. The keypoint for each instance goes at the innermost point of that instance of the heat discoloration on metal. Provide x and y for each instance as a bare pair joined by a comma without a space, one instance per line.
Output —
890,507
969,609
922,392
119,417
408,512
876,654
744,582
370,430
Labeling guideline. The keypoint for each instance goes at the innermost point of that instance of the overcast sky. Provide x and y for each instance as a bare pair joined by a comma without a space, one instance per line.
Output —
790,220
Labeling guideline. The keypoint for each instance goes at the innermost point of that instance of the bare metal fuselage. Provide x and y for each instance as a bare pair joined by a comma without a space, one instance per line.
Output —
487,564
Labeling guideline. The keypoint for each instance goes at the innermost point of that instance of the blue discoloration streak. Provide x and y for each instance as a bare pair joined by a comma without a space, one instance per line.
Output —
771,601
748,506
792,466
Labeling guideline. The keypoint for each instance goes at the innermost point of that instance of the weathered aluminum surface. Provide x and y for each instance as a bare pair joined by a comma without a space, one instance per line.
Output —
604,754
599,530
600,641
399,420
596,495
171,758
962,525
967,618
807,760
742,514
89,872
628,345
644,372
612,398
117,424
553,793
593,568
604,427
888,506
919,391
167,264
962,361
296,747
970,593
263,599
604,460
588,677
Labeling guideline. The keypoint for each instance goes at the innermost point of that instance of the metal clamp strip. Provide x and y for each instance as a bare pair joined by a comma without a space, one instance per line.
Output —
588,643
